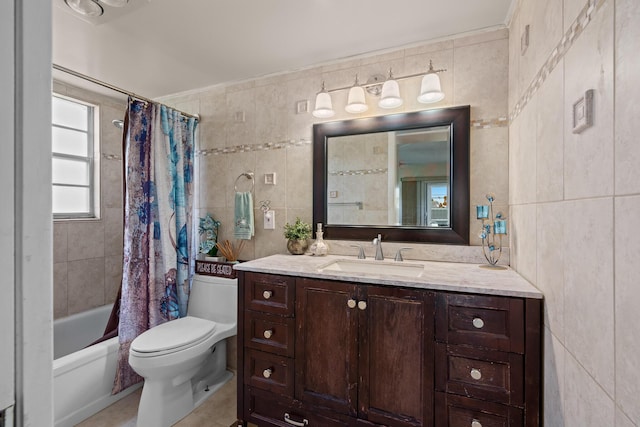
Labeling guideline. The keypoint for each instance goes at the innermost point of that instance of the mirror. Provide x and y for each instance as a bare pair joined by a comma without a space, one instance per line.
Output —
405,176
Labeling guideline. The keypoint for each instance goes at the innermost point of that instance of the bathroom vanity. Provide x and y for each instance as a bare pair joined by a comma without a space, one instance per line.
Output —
334,341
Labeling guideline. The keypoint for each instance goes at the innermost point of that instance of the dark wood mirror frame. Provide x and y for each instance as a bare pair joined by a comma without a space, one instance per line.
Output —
458,118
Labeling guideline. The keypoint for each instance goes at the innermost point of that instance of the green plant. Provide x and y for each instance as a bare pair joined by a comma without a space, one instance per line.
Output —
299,230
208,228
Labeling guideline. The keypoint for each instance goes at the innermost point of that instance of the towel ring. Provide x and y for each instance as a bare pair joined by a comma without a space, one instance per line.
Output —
248,175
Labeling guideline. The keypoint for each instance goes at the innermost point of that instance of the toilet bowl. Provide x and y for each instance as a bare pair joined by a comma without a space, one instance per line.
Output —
184,361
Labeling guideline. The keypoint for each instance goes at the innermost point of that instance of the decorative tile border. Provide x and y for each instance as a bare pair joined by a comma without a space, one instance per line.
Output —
475,124
255,147
359,172
584,18
499,122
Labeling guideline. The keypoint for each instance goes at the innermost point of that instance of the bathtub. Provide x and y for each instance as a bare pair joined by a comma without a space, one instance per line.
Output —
83,377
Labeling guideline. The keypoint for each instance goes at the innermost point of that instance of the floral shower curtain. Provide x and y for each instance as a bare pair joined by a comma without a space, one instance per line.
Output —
159,248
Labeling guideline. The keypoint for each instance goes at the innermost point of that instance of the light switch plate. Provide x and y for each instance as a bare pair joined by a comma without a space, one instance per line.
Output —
270,178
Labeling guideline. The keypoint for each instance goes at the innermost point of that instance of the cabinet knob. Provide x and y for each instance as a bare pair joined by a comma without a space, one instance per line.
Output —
476,423
351,303
478,323
362,305
476,374
268,333
267,294
267,373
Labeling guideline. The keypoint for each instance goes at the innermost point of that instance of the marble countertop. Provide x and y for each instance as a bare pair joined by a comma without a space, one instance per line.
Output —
437,275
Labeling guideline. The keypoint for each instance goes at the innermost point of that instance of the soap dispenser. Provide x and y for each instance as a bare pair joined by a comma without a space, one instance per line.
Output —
319,247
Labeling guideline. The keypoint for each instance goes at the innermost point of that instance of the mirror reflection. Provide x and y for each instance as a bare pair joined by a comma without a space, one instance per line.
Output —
405,176
390,178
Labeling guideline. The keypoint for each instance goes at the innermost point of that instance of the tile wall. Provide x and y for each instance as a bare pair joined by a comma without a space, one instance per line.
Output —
575,200
254,126
87,254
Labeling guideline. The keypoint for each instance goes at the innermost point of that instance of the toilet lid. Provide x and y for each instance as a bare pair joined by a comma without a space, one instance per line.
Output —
173,335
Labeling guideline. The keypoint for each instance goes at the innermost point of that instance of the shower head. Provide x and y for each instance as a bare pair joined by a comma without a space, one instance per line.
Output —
118,123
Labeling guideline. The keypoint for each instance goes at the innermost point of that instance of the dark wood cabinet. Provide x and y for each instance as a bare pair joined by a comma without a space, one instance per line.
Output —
335,353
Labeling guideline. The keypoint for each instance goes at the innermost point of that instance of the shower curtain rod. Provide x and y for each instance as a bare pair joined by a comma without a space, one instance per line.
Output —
116,88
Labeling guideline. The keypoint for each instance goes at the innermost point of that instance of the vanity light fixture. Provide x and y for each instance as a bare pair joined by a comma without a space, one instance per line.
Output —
389,92
356,102
324,108
430,90
390,97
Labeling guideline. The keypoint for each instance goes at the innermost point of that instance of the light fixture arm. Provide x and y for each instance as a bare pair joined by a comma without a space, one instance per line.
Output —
378,79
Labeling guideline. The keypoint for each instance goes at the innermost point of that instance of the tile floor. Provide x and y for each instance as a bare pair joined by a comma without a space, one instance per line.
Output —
217,411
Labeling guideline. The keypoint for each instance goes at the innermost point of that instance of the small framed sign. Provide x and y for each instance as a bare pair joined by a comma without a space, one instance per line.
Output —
583,112
214,268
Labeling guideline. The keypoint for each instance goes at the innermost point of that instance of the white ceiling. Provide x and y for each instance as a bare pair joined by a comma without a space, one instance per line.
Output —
161,47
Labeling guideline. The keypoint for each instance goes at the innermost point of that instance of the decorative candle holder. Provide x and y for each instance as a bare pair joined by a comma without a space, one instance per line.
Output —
493,228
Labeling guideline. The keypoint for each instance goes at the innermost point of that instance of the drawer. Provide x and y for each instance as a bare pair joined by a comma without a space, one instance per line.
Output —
458,411
269,410
480,373
269,293
269,372
482,321
270,333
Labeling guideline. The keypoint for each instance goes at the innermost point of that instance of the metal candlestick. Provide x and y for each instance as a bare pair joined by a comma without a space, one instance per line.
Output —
493,228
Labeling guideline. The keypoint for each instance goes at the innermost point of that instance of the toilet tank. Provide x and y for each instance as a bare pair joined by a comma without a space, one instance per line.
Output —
214,298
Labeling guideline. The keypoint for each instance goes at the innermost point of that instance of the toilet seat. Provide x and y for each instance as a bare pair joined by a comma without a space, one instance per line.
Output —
172,336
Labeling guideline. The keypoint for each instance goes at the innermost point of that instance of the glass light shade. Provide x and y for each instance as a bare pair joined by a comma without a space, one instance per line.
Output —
115,3
430,90
85,7
390,97
324,108
356,102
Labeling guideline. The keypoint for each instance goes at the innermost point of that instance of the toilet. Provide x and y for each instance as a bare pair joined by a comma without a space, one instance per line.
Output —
184,361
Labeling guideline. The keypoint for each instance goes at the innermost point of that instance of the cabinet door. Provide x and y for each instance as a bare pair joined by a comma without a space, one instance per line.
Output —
396,357
326,371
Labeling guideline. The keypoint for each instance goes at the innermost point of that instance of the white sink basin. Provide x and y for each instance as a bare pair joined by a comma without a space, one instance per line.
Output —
376,268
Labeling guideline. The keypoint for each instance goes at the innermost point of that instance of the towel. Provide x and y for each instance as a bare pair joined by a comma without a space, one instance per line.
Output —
243,216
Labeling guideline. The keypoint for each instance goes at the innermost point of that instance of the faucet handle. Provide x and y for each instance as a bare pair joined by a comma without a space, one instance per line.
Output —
399,254
361,254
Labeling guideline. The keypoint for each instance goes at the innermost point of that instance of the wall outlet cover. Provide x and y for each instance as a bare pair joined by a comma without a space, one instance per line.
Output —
583,112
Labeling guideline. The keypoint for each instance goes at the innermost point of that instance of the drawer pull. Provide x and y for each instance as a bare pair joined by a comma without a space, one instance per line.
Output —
351,303
267,294
268,333
305,422
267,373
362,305
476,423
476,374
478,323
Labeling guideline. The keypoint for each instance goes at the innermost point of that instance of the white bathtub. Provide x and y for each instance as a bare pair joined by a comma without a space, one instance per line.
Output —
83,377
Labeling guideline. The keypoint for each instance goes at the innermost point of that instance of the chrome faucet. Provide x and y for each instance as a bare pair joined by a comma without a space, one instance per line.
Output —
361,254
378,243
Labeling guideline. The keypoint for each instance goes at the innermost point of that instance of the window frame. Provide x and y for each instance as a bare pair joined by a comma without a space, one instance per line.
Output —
91,159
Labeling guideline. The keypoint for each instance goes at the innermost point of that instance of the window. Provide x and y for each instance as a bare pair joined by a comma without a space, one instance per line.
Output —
74,145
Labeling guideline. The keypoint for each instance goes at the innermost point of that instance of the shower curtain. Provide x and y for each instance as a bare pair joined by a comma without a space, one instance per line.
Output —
159,248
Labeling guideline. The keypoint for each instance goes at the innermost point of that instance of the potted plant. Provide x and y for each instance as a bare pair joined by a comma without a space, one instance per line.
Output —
208,229
297,235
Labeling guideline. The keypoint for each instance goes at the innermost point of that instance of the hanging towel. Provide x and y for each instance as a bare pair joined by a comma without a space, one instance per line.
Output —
243,216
